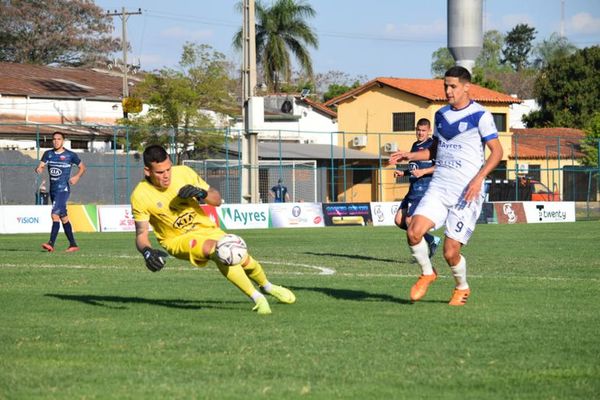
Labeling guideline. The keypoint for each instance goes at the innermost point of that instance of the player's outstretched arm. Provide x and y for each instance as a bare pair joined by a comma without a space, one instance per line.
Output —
154,258
40,168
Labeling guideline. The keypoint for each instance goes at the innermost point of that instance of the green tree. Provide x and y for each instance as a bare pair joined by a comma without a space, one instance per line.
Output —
441,61
178,100
551,50
281,30
518,44
568,91
590,146
64,32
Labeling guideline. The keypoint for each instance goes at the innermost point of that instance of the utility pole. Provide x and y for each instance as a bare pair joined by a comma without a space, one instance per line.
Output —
250,192
124,15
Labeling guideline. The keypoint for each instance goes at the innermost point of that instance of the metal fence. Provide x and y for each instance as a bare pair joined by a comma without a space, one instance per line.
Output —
114,167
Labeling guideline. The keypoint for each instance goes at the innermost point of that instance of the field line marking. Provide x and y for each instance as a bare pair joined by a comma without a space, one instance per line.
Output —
322,271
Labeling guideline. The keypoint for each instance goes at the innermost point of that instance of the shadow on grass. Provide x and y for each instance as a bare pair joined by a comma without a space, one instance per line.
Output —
353,257
121,302
357,295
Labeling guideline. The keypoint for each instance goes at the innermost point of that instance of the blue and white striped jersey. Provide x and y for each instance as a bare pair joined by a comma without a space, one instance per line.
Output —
461,136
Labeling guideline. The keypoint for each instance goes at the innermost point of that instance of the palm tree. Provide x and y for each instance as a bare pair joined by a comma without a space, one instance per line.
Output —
281,30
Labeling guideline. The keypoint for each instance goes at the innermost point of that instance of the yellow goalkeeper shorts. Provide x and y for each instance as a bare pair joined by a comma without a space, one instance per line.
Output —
189,245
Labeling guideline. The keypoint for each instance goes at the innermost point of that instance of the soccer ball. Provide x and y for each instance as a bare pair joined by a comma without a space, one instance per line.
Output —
231,249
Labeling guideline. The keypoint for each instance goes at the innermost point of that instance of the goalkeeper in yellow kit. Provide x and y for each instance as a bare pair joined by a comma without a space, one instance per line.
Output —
169,199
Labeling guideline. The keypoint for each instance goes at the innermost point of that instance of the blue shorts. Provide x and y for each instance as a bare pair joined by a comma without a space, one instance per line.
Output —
410,205
59,203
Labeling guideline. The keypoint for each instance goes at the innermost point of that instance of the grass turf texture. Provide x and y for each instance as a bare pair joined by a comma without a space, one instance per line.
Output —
96,324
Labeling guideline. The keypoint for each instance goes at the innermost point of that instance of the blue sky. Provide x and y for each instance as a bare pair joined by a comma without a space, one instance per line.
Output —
361,38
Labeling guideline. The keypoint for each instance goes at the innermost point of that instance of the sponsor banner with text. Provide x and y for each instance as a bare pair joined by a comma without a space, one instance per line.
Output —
341,214
115,218
244,216
384,213
549,211
25,219
296,215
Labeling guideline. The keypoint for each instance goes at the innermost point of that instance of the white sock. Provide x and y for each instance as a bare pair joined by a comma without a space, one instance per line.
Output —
459,271
267,287
256,295
420,252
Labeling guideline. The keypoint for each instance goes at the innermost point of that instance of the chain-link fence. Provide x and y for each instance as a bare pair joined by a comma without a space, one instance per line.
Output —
331,166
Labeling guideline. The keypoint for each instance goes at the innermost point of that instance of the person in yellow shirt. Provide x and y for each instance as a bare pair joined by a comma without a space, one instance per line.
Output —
169,199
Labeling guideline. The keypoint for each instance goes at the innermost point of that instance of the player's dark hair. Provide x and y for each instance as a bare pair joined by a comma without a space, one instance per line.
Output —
154,153
58,133
424,122
459,72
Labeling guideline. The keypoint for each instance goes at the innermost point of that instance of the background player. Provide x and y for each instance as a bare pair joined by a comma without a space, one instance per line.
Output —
419,173
279,192
60,161
455,194
168,199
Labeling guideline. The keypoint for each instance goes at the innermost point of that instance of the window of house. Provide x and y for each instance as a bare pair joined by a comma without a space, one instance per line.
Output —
403,122
535,171
361,174
500,121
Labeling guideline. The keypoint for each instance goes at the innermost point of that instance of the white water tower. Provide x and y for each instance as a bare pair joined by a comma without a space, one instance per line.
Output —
465,31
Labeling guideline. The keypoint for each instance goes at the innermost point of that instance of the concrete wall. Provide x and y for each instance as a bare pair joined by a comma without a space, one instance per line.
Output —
108,180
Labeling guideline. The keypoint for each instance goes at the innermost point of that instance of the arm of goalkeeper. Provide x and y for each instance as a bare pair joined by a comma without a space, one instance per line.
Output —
155,259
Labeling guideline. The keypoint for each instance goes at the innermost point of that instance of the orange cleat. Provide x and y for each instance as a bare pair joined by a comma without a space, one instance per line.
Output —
419,289
48,247
459,297
71,249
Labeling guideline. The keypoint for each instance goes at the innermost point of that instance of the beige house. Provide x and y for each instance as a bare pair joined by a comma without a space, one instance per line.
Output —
379,117
552,156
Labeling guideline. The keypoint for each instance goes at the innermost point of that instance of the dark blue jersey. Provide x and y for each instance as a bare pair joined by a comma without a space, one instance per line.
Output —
418,186
279,192
59,168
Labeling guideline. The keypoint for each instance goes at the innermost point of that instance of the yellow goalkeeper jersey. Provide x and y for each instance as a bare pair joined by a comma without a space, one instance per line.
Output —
168,214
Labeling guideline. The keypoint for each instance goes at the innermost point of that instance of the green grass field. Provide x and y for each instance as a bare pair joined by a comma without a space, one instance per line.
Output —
97,325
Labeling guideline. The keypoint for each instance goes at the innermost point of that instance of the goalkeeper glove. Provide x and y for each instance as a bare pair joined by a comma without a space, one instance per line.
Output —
192,191
155,259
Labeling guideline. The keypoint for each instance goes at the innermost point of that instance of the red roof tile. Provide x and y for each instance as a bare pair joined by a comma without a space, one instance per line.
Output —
542,143
430,89
319,107
45,81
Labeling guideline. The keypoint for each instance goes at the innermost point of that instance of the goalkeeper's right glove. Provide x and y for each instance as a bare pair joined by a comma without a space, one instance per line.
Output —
155,259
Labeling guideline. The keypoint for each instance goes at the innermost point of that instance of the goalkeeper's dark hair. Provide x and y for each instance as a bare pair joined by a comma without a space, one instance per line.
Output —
154,153
459,72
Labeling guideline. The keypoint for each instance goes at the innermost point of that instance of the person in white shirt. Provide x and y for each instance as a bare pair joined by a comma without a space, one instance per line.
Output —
455,195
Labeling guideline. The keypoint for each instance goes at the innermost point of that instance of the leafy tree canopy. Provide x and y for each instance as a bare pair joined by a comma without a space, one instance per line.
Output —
63,32
591,144
551,50
281,30
178,100
568,91
518,44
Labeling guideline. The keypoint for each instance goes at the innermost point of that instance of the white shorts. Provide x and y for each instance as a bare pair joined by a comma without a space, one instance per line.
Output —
444,207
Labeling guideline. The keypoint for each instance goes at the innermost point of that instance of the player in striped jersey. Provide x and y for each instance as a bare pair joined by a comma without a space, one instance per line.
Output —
455,195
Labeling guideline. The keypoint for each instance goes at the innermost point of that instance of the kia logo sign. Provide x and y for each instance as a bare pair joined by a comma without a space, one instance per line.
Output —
55,171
